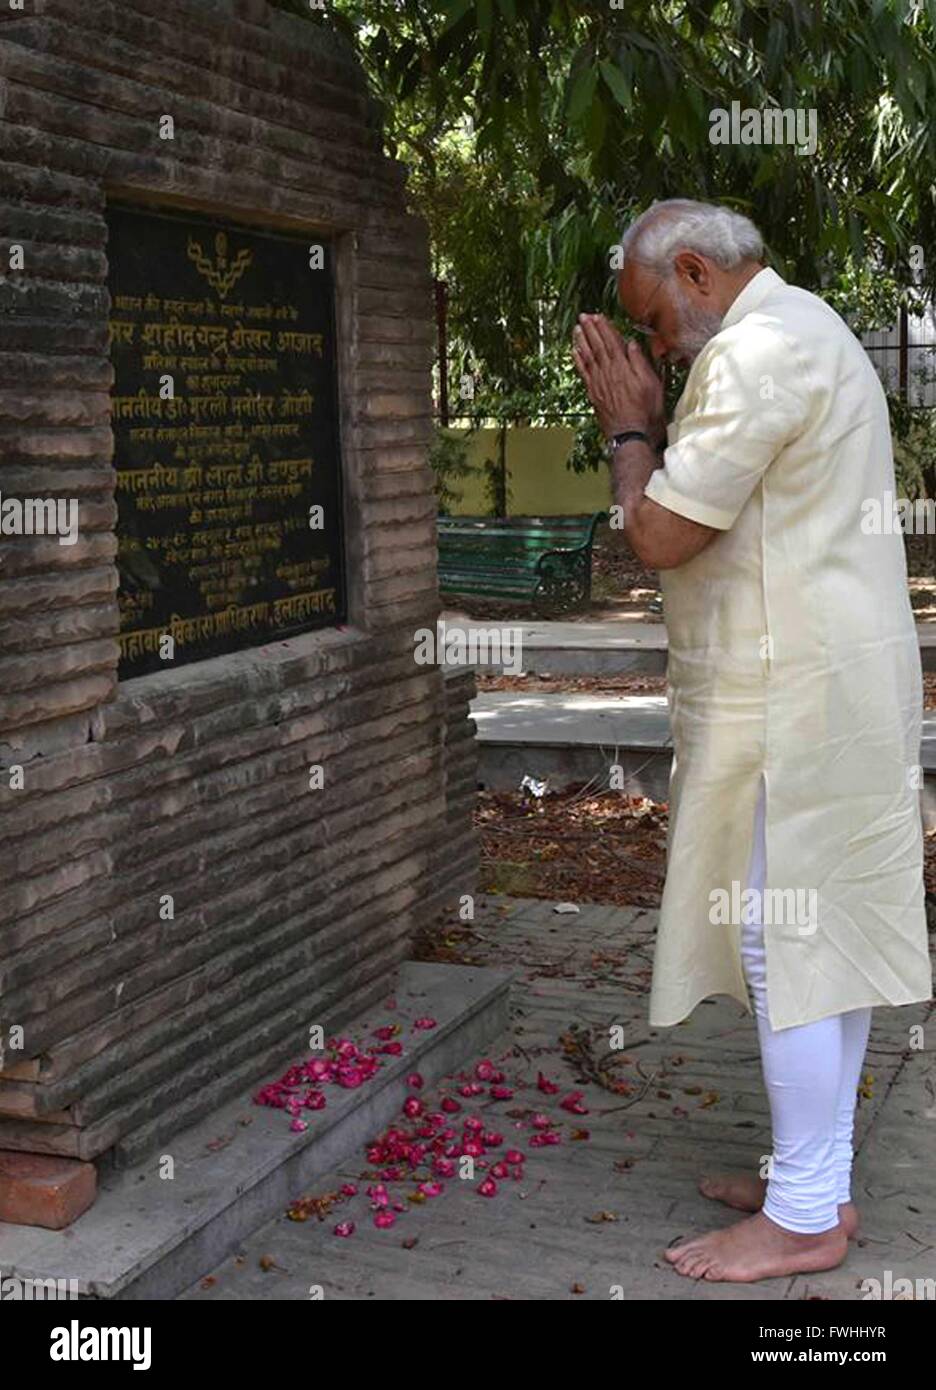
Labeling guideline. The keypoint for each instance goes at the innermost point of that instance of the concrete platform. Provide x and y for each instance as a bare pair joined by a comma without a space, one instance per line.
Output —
149,1236
615,646
574,738
599,1212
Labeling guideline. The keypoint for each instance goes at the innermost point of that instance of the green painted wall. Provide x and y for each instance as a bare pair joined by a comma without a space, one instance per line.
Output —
538,480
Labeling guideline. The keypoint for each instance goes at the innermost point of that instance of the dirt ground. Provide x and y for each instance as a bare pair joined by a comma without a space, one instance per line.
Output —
581,845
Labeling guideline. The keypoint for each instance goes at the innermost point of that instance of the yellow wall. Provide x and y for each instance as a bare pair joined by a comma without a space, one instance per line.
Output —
539,483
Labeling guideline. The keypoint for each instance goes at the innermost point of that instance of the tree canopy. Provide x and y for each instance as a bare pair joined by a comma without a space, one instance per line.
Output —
536,129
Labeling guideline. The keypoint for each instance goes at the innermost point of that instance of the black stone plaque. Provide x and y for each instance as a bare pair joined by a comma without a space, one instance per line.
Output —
227,447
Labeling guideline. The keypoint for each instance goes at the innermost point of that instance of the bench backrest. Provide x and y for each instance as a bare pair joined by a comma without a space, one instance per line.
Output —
520,537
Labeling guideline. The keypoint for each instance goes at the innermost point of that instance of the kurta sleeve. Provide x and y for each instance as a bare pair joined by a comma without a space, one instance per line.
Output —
751,399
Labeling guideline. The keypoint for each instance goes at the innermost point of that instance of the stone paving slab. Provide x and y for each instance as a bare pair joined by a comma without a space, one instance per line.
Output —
534,1240
611,634
628,721
573,737
609,644
507,716
147,1238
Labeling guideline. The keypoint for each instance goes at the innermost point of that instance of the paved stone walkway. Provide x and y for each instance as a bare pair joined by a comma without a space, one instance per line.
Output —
626,721
622,638
546,716
608,633
696,1103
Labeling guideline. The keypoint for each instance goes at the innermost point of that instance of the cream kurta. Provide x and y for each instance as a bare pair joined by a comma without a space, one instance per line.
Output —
792,652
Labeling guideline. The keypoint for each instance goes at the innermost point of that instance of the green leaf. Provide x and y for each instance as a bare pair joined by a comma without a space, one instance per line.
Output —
775,49
454,9
485,13
766,169
582,94
617,85
596,125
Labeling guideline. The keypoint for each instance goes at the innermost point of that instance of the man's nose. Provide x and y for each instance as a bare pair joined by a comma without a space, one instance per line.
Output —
658,348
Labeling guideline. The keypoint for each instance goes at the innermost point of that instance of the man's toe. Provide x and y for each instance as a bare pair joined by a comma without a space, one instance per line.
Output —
691,1262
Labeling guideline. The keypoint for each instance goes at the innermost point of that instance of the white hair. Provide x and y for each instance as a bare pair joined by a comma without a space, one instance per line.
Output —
679,224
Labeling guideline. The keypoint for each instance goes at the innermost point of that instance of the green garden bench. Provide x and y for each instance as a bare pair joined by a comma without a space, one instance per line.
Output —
543,560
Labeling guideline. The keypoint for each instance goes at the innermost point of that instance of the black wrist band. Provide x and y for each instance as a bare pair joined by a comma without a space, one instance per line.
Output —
624,437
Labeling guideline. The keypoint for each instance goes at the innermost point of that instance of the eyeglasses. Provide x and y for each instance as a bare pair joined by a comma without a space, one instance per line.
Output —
643,327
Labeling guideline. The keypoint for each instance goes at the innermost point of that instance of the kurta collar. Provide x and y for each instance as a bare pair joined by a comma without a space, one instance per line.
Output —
756,289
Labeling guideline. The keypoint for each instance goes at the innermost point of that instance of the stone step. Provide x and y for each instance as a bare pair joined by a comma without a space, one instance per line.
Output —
611,647
576,737
149,1236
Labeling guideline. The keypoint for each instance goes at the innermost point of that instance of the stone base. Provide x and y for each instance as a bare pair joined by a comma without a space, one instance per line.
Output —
38,1190
150,1235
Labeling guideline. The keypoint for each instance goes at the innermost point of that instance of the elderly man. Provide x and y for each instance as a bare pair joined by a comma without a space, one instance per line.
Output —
795,696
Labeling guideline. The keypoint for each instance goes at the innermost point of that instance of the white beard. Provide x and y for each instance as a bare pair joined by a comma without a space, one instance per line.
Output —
696,326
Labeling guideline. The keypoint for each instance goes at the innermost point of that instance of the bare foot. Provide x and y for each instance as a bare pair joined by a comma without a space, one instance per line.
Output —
757,1248
745,1192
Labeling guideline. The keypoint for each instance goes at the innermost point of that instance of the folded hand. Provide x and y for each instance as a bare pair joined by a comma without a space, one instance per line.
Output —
622,386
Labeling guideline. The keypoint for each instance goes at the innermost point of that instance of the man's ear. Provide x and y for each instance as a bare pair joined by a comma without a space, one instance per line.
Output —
693,268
